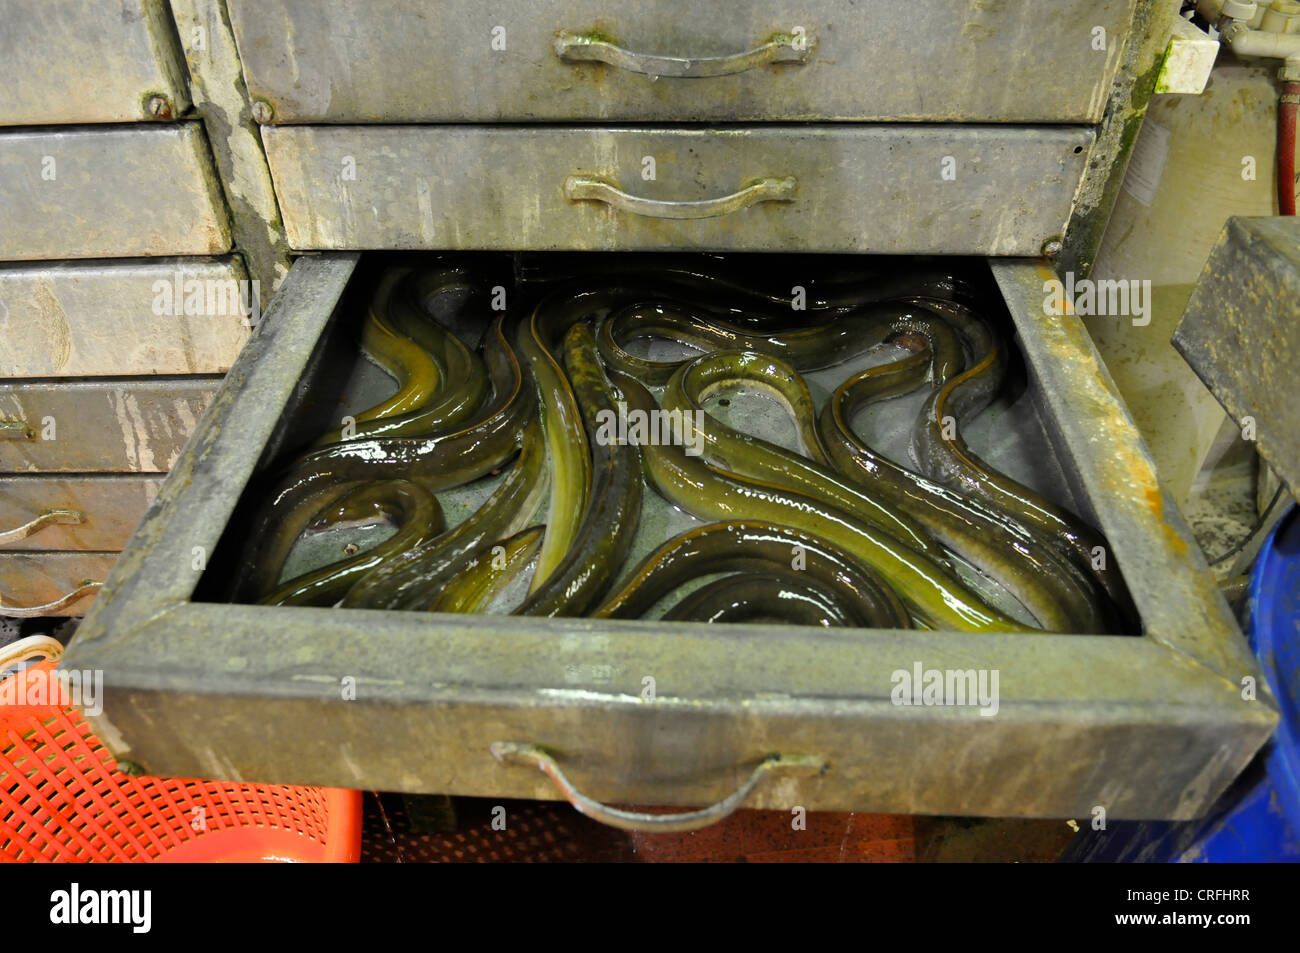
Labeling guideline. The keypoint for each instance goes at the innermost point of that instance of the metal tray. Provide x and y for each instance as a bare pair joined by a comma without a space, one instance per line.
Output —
1235,333
1155,725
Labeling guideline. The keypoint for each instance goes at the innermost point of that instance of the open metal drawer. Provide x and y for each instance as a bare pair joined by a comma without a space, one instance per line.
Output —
1145,726
308,61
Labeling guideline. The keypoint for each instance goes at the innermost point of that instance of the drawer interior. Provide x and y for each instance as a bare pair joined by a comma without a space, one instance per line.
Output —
1010,434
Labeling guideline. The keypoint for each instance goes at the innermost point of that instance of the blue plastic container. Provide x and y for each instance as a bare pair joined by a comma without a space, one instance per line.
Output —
1258,819
1274,632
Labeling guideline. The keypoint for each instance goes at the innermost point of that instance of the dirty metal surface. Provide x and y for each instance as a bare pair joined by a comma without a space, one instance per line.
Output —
1149,726
108,507
862,188
464,61
104,426
1241,333
93,319
107,61
221,100
29,580
1140,60
109,192
1109,466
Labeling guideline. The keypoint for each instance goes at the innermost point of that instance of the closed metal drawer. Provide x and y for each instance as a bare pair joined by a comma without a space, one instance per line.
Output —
110,192
1146,726
61,584
93,513
67,61
99,426
166,316
463,60
986,190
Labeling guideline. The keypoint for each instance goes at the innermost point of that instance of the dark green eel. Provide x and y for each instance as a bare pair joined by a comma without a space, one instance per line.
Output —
932,592
784,597
754,546
414,509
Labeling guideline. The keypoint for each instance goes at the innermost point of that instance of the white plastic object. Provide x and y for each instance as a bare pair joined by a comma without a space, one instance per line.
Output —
1189,60
24,650
1282,16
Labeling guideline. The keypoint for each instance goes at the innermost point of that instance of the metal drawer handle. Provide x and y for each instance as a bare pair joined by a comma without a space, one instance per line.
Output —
15,430
579,188
65,600
24,650
48,518
515,752
781,48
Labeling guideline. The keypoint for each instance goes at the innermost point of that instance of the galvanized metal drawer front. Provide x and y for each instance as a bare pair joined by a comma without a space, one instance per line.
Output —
896,189
53,584
1145,726
463,60
67,61
166,316
99,426
109,192
93,513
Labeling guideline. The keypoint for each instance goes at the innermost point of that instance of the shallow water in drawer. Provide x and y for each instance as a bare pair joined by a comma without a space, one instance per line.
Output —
1009,434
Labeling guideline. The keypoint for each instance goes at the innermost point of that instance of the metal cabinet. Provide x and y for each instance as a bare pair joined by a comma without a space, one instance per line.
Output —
1146,726
110,215
75,335
307,61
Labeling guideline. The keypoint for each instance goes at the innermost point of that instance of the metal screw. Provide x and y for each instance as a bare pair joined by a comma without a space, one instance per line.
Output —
1053,248
262,111
158,107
